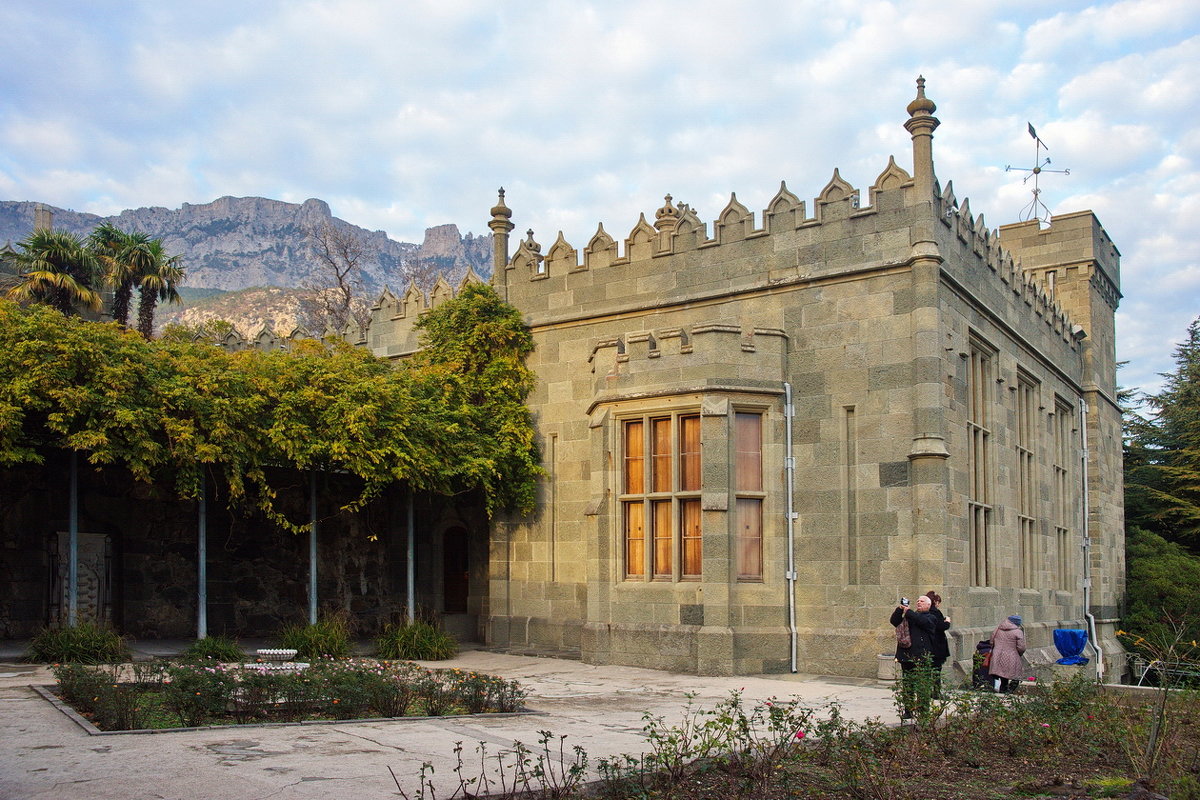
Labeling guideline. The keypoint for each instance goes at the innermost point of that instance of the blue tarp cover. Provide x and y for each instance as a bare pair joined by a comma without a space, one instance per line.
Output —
1070,643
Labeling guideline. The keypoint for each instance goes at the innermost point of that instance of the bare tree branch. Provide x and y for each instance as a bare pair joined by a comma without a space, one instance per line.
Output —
337,290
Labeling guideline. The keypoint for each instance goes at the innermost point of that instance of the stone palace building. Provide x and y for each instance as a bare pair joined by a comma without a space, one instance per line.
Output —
758,435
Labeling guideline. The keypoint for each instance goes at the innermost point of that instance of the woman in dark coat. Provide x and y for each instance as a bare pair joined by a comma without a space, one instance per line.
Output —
916,660
941,646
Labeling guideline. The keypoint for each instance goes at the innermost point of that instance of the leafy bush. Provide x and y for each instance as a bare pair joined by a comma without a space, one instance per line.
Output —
392,687
479,693
328,638
1163,582
344,692
79,685
419,641
167,694
86,643
437,696
196,693
114,706
223,649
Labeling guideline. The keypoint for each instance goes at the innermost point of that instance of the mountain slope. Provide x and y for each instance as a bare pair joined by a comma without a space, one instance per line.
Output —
236,243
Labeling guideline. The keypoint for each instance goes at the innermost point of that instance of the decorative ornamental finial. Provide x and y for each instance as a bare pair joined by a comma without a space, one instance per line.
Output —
666,217
922,105
501,211
530,244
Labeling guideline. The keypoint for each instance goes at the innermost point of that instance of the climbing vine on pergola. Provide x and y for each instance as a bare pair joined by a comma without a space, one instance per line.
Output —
450,419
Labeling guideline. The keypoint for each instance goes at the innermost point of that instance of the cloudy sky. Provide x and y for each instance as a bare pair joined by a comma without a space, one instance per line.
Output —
408,114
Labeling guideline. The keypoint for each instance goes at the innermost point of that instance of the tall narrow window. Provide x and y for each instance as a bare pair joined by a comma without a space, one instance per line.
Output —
1063,437
979,503
1027,480
748,486
689,507
661,497
851,500
634,510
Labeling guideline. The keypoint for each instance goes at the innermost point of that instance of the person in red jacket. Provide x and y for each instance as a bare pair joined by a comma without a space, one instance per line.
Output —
1008,645
916,660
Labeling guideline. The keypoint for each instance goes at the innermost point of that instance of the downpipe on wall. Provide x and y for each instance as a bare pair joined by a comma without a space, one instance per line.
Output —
789,463
1087,542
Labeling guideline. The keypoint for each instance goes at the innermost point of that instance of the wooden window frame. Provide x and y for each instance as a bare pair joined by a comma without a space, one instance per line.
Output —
660,485
749,495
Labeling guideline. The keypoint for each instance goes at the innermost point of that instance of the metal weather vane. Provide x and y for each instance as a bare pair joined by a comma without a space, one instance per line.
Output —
1036,207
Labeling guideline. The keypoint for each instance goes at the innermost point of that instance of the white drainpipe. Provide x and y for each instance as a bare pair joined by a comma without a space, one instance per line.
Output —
1087,544
790,468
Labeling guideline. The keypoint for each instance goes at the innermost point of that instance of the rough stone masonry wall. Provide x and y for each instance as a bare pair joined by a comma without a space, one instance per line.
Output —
819,302
258,575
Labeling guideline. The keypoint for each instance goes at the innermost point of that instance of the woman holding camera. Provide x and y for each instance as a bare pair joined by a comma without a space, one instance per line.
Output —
916,660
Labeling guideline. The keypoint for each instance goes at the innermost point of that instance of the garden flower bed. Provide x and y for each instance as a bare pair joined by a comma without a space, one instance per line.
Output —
163,695
1073,739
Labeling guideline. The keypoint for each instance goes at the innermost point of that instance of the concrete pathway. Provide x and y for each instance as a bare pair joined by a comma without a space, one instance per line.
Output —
44,754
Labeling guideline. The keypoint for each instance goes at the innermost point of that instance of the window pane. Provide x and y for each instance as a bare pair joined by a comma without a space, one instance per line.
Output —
748,469
749,538
689,454
635,460
635,539
689,524
662,536
661,429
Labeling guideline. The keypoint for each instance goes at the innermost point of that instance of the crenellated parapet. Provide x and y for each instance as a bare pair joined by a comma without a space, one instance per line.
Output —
693,358
390,329
680,258
978,245
392,325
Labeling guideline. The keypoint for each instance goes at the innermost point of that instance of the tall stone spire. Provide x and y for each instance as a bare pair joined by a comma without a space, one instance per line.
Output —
921,125
501,226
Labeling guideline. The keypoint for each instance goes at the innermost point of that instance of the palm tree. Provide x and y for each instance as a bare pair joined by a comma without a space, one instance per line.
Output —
159,279
56,268
124,257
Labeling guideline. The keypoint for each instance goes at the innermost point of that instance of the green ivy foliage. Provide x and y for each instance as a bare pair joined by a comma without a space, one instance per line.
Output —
473,355
451,419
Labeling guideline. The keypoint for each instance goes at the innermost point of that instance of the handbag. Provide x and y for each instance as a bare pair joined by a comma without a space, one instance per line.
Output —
903,634
987,660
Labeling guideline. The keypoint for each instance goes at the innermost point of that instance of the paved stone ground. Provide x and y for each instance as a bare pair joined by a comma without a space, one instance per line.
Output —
44,754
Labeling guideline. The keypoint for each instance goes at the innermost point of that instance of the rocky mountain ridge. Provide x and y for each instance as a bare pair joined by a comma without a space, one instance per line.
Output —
236,243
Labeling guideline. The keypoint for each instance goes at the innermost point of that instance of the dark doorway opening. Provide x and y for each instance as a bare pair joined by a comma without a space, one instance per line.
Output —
456,569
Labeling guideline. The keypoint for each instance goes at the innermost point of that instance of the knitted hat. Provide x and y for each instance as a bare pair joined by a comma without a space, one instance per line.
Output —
1015,619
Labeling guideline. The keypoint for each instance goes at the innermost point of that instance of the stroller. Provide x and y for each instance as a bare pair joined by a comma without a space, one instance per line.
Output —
980,663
